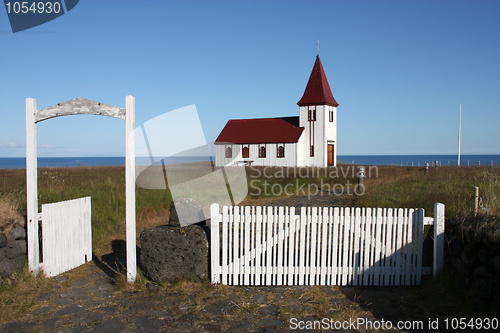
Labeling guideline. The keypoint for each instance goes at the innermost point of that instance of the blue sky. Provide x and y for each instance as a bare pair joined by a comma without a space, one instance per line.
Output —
398,69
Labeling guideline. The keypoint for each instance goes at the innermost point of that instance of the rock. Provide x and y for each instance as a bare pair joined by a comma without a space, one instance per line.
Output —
483,256
2,254
24,246
18,232
111,325
152,286
458,264
269,322
270,310
185,211
171,253
6,268
480,271
224,307
11,242
258,298
3,241
72,309
145,324
19,326
495,262
19,261
14,251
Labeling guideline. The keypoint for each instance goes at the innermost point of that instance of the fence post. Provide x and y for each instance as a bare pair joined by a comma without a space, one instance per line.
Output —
476,200
214,243
32,187
361,177
130,222
438,261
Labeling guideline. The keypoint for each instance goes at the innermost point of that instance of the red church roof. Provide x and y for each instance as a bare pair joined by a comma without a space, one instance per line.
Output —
317,90
263,130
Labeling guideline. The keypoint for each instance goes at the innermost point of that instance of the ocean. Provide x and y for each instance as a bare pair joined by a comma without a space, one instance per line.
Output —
419,160
401,160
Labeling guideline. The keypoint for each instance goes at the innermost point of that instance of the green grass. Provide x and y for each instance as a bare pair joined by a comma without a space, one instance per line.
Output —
452,186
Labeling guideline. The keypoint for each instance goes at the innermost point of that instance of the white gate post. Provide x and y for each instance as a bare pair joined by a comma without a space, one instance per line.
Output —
32,186
130,187
438,262
214,243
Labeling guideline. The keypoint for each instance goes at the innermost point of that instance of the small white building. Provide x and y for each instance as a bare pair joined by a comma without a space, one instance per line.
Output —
307,140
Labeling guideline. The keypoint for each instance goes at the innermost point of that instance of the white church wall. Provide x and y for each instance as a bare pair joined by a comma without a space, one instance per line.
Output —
314,131
271,159
331,131
300,159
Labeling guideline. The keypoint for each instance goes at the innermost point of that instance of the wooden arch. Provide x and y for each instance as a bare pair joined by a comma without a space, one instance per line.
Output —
72,107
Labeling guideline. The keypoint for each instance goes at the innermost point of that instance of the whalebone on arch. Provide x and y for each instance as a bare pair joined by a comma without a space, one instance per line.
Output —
79,106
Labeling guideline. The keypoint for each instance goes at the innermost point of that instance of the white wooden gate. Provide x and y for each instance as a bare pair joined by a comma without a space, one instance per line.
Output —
66,235
321,246
73,107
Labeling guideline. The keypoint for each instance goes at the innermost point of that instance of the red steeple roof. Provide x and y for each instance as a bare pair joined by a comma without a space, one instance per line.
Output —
317,90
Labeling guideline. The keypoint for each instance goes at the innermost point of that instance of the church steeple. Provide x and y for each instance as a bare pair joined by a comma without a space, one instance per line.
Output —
317,91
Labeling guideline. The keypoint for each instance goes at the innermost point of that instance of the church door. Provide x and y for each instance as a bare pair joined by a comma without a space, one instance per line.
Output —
330,154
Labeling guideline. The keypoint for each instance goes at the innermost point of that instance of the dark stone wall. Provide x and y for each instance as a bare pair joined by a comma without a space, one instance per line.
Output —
474,251
12,251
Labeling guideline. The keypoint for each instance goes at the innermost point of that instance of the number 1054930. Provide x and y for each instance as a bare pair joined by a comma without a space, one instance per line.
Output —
36,7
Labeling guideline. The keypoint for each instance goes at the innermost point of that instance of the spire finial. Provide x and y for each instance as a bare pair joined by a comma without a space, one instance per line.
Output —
318,46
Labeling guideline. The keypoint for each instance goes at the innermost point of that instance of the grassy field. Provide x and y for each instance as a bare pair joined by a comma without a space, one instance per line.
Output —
385,186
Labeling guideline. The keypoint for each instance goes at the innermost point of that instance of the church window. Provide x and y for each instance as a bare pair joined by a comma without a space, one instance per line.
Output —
245,152
331,116
281,151
262,151
229,152
311,116
312,151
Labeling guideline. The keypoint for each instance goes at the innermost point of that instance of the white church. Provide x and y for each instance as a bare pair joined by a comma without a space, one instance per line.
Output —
307,140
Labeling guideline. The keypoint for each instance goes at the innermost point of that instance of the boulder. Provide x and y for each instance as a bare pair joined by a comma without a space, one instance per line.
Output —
11,242
19,261
23,244
3,241
11,252
185,211
18,232
6,268
172,253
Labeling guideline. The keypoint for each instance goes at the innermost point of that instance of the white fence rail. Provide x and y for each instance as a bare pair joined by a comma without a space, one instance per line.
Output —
66,235
321,246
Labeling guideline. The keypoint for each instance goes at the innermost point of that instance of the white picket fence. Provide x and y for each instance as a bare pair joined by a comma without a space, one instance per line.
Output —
66,235
321,246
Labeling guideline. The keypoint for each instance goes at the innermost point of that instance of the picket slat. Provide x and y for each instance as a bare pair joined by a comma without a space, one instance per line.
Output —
324,246
420,228
281,223
292,249
268,262
408,247
258,247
